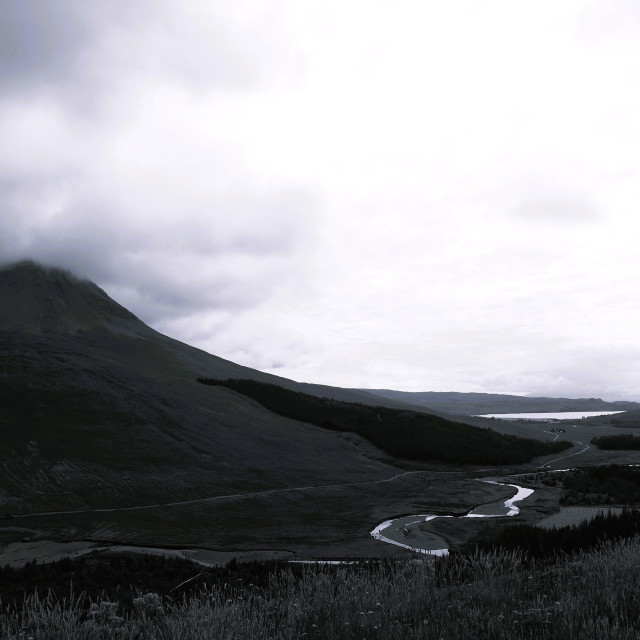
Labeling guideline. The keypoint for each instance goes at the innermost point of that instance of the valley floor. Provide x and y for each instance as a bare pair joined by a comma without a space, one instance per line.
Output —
310,522
286,523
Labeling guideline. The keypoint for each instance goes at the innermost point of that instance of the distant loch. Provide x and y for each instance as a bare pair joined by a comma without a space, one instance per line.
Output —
559,415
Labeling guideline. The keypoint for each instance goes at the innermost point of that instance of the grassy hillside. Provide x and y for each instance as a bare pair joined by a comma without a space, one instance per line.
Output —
630,419
85,427
403,434
101,411
495,595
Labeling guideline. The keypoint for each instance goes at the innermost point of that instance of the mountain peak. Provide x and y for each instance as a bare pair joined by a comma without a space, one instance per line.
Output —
39,299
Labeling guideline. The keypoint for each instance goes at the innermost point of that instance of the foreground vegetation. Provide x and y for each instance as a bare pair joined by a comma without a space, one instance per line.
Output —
404,434
117,577
525,583
497,595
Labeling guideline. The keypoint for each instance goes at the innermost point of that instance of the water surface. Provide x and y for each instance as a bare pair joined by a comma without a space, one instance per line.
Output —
556,415
405,532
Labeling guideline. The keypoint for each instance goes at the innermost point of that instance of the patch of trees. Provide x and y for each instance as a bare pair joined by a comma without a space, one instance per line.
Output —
400,433
120,577
614,443
611,484
543,543
117,576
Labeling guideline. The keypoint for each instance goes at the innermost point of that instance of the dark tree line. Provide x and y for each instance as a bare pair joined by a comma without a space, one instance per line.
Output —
537,542
118,577
610,484
613,443
403,434
121,577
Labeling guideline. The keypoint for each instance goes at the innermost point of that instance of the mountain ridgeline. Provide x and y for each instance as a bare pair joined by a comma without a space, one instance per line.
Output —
473,404
399,433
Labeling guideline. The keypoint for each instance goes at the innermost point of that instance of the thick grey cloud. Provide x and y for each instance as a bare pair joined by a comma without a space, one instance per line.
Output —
230,254
109,174
41,43
558,209
410,195
82,51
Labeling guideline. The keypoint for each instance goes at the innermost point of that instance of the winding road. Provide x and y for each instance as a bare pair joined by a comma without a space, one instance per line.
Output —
576,442
229,496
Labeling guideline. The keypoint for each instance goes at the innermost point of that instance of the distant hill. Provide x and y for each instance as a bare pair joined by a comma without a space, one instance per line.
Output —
471,404
628,419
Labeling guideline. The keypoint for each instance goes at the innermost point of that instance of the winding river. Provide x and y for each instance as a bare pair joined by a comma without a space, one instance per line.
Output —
406,532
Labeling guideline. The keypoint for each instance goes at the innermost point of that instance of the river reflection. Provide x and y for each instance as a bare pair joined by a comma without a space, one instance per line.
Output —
405,532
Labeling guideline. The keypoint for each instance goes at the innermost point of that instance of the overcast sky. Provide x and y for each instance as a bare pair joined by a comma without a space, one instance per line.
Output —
419,195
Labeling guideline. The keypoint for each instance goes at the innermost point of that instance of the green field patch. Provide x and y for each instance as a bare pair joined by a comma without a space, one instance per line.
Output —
572,516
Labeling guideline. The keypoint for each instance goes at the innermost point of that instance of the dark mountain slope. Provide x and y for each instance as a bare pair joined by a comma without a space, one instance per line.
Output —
51,303
99,410
40,300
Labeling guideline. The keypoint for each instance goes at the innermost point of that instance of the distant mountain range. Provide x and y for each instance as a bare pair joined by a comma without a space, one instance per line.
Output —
473,404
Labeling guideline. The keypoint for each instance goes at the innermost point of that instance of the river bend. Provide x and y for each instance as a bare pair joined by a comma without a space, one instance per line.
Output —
405,532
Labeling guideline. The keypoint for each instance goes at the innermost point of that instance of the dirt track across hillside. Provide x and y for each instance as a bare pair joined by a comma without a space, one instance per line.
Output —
227,497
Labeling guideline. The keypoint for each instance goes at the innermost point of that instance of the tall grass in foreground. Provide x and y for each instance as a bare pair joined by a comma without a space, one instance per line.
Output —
493,595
